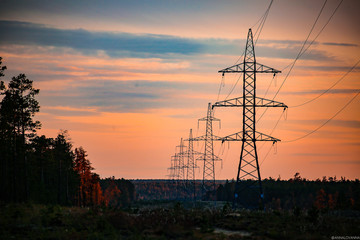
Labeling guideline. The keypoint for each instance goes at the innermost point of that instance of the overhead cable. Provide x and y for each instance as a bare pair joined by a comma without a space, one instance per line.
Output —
327,90
321,30
299,54
297,57
262,20
323,124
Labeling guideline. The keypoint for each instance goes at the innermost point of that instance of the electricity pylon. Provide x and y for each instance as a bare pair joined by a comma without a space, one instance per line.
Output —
191,166
181,163
208,157
249,163
172,168
174,174
177,169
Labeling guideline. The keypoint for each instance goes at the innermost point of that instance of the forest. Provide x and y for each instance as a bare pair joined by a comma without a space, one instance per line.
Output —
49,190
44,170
295,193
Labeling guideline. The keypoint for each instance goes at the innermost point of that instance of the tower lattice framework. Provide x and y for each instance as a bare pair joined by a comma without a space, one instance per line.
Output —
181,162
177,170
191,166
208,157
249,164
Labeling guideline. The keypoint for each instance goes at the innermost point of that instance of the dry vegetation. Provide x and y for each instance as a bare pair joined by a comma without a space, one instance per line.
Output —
27,221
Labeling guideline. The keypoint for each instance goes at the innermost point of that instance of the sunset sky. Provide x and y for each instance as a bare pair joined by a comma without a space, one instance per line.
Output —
128,79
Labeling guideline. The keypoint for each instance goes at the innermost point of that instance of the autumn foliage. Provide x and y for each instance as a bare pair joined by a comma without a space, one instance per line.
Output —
118,193
112,194
89,193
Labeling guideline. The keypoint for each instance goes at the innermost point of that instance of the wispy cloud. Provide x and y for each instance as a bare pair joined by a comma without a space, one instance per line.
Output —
346,162
341,44
319,91
68,111
287,43
122,44
346,123
123,96
334,122
330,68
114,44
315,154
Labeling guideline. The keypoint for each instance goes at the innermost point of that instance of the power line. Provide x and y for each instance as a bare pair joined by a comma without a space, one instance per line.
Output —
327,22
316,129
233,87
267,154
297,57
299,54
327,90
277,122
222,83
262,21
352,68
267,90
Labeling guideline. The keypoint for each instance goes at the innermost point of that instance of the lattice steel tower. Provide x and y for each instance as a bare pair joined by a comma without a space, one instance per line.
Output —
181,162
208,157
249,163
191,165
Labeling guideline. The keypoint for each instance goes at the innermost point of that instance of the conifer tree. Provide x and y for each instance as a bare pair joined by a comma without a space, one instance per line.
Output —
17,127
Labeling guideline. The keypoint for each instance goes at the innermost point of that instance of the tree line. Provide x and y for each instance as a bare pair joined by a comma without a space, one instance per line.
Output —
300,193
37,168
328,193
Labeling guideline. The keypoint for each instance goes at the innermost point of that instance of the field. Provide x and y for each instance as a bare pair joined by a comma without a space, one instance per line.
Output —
172,220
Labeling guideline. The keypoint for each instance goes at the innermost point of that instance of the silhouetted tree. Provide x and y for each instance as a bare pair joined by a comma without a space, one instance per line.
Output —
112,194
97,197
120,192
42,170
89,192
2,68
33,168
320,202
4,154
67,177
17,127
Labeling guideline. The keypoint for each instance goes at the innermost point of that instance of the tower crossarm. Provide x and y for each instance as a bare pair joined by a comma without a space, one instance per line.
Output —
235,102
194,152
247,67
201,158
203,138
240,136
210,119
263,102
238,102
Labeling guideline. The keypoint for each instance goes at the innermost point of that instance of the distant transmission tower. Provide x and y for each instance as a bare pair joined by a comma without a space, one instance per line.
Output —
208,157
249,164
177,170
174,173
181,162
172,168
191,166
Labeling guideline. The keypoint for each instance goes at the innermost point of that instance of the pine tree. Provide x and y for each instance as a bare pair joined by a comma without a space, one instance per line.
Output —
67,177
17,127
